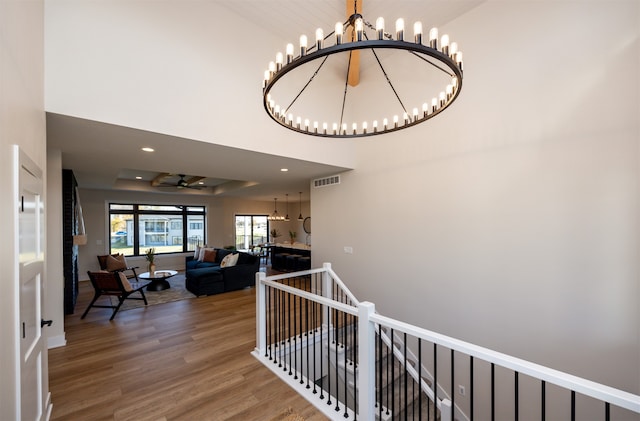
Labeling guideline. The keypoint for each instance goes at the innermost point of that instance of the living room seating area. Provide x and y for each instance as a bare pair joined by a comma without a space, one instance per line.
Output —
213,271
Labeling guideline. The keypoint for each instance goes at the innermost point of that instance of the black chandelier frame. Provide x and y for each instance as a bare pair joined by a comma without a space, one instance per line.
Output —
443,61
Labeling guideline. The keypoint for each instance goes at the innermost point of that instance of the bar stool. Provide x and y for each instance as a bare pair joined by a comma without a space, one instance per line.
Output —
292,262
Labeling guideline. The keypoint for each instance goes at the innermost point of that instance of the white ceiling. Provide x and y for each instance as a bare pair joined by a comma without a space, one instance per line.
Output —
105,156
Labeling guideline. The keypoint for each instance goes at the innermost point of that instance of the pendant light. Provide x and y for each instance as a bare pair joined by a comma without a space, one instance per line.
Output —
286,218
300,218
275,216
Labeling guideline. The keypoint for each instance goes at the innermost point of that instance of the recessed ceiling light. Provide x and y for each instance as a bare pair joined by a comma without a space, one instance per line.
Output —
147,149
284,169
138,177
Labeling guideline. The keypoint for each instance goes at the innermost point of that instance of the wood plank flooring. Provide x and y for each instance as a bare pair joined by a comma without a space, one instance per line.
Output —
185,360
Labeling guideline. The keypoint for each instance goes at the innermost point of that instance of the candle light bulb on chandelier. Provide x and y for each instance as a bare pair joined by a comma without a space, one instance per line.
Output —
453,49
444,44
289,52
319,38
380,27
303,45
417,32
359,26
339,29
433,38
400,29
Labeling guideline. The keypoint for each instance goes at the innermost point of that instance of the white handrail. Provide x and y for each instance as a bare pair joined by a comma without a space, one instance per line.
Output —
585,387
568,381
347,291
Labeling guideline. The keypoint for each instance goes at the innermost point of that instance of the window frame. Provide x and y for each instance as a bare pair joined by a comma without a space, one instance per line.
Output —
252,216
134,209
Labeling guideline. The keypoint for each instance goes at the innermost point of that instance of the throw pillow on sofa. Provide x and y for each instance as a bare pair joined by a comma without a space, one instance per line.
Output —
209,255
229,260
203,252
197,251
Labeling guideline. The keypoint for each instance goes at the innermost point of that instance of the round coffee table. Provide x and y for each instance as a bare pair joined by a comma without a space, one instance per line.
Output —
158,279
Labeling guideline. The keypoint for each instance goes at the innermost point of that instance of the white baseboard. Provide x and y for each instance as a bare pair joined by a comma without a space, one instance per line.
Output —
56,341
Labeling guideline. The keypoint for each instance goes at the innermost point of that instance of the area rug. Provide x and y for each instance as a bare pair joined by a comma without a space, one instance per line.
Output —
177,292
288,415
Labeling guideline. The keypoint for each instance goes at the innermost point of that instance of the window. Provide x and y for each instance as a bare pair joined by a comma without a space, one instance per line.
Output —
135,228
251,230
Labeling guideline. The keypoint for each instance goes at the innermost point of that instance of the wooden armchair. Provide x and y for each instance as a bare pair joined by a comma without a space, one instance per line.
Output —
114,284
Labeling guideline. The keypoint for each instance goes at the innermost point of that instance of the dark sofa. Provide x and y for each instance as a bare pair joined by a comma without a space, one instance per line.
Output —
208,278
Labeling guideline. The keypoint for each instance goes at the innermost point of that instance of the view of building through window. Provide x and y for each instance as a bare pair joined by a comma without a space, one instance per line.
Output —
168,229
251,230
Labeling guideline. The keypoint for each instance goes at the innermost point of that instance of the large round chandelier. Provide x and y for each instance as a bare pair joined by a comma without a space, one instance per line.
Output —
350,38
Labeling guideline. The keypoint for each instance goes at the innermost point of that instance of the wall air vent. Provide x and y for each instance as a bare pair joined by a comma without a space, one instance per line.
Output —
326,181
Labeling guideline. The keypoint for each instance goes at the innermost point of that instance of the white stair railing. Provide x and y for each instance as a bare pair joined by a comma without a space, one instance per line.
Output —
292,347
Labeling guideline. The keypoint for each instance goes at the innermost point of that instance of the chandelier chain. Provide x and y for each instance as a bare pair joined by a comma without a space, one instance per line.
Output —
307,84
432,63
346,87
384,72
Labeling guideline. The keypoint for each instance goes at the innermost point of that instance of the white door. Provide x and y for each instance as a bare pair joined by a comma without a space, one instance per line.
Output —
34,376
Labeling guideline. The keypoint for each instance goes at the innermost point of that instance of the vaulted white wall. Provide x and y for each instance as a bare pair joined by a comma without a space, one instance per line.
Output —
191,69
511,220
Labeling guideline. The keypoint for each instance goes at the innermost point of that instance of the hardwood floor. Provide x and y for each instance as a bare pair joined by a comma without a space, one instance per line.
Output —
185,360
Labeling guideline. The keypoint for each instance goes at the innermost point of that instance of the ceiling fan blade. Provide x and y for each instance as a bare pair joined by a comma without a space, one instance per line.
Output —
159,179
194,180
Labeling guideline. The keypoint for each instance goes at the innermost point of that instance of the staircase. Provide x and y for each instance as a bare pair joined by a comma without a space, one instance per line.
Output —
353,363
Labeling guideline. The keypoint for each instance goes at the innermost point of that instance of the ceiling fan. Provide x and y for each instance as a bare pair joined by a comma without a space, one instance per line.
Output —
182,183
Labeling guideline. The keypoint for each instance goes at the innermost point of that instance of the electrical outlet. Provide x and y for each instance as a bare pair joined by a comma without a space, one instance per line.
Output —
348,249
461,390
